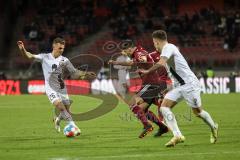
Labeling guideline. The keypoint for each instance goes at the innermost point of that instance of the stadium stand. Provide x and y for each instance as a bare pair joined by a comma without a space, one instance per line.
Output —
199,30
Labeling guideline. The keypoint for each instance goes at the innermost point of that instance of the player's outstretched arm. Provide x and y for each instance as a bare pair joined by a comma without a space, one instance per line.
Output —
24,51
84,75
127,63
78,74
161,63
89,75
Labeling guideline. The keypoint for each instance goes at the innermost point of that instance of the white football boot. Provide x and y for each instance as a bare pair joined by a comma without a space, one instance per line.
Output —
174,141
214,134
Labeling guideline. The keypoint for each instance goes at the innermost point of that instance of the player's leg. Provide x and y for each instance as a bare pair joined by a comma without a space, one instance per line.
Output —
53,96
67,103
150,116
158,120
206,117
64,114
162,127
58,118
159,100
193,99
153,118
57,99
158,104
150,96
169,101
159,92
137,109
149,128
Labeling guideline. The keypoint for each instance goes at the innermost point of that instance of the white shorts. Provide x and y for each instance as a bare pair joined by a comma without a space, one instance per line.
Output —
190,92
58,95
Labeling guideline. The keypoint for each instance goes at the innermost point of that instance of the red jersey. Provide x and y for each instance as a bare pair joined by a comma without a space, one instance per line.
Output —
157,77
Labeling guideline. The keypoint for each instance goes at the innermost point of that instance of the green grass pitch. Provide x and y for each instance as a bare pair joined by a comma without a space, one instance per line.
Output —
26,132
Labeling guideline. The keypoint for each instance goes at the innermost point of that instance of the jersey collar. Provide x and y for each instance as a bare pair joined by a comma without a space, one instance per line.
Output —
54,57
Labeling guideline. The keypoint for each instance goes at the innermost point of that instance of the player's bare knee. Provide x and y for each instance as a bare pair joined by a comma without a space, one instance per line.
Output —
168,103
135,100
58,104
197,111
144,106
139,101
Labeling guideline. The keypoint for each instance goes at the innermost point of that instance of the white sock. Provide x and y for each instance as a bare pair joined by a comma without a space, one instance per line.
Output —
170,120
207,119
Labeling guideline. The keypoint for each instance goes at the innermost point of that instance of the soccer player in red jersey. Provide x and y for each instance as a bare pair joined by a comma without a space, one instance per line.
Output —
152,86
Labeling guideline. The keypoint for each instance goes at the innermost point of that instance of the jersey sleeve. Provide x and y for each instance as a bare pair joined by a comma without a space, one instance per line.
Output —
70,67
167,51
38,57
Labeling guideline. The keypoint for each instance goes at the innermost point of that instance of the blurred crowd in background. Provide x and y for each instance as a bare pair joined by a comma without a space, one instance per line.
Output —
38,22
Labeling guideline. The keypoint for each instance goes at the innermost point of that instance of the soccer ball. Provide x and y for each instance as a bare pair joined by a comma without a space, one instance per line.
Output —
71,131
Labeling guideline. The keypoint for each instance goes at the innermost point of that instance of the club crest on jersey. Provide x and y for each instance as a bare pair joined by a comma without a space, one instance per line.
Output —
54,67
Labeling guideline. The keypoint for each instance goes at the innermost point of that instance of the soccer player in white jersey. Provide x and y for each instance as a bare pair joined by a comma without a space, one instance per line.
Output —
123,75
187,87
53,65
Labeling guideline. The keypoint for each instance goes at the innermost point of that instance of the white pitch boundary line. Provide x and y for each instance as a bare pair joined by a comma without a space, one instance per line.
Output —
148,155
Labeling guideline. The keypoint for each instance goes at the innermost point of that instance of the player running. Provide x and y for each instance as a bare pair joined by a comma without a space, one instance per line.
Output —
152,86
188,88
53,66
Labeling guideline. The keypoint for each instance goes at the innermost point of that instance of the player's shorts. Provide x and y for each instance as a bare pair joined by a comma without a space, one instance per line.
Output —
58,95
150,93
190,92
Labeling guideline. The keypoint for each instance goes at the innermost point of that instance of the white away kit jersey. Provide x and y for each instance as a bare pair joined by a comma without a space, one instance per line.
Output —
53,69
177,64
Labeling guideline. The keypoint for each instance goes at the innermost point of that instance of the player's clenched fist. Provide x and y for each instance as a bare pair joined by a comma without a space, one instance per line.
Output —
112,62
90,75
20,44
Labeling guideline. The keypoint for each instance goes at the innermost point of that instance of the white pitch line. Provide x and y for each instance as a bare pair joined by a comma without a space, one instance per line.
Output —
148,155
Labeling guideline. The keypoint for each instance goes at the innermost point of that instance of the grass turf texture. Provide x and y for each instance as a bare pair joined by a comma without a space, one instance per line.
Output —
27,132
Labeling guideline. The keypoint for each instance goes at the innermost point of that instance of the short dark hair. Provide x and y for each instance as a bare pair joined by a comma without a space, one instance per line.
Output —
160,34
128,43
59,40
